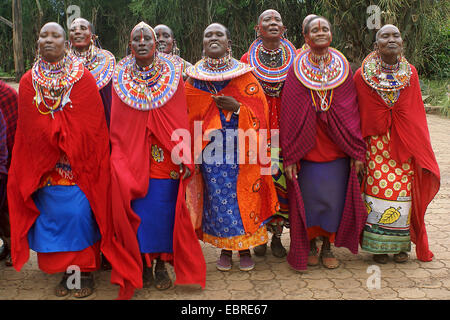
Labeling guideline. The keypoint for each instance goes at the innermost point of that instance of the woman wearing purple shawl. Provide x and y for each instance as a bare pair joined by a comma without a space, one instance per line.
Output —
324,151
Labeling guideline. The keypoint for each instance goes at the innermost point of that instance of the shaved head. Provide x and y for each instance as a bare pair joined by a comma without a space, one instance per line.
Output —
307,19
385,28
56,25
84,21
265,12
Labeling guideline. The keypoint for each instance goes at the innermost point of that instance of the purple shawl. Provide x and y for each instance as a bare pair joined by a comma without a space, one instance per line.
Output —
106,95
297,137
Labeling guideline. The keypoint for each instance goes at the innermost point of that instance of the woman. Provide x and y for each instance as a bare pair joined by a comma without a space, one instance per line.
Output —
58,185
224,98
271,55
402,174
323,151
100,62
8,106
304,23
148,177
168,45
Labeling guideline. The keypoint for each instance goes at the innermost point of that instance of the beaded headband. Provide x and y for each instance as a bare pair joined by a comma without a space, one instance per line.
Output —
141,25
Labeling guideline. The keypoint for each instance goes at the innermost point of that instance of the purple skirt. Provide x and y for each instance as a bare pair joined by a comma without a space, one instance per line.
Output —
324,186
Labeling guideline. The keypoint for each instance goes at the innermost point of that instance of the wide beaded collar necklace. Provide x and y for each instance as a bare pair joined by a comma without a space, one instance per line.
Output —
150,87
384,77
226,68
54,81
271,65
321,73
101,63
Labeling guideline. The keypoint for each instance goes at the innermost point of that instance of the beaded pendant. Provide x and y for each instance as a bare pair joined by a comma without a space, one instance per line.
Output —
101,63
147,88
268,71
54,81
325,76
208,69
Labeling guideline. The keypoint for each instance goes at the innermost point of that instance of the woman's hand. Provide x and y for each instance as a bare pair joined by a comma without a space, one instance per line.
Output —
359,167
187,172
227,103
292,172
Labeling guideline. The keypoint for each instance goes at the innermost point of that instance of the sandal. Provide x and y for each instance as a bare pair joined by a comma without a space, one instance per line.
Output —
401,257
313,256
277,247
162,279
87,286
260,250
328,259
61,290
381,258
225,261
245,261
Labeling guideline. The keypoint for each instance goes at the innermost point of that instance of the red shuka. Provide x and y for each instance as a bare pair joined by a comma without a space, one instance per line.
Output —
410,138
80,131
132,132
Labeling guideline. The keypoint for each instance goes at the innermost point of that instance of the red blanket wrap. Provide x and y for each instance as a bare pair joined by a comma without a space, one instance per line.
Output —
410,138
80,131
131,137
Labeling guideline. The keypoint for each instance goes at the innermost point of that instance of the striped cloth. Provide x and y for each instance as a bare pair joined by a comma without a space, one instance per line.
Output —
297,138
8,106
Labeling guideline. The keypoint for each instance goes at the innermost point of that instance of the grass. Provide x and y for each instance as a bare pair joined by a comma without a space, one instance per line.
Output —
5,74
437,93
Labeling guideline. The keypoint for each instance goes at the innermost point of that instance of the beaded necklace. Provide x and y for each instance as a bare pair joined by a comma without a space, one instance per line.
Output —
210,69
272,58
271,66
148,87
101,63
321,72
386,79
217,65
54,82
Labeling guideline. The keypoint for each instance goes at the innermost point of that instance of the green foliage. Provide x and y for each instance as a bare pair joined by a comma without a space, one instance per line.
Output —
437,93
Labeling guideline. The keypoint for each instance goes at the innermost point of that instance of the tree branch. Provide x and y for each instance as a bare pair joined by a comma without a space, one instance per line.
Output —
6,21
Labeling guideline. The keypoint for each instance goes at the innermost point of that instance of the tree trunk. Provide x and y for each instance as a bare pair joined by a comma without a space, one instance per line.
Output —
17,39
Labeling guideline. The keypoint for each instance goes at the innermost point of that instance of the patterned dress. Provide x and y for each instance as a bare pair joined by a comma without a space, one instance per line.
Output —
387,196
388,184
222,222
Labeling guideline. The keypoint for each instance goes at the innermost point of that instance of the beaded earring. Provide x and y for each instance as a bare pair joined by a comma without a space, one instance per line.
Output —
229,52
175,49
38,52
